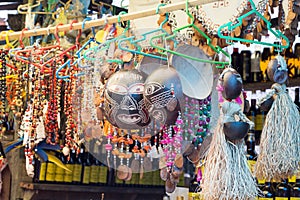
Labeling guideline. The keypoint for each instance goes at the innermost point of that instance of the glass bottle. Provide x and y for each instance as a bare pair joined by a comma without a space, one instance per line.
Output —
42,171
267,192
236,60
297,57
77,171
246,66
50,172
265,59
251,153
295,187
259,123
255,67
106,175
95,171
86,173
290,61
59,171
37,170
70,165
252,112
260,185
282,190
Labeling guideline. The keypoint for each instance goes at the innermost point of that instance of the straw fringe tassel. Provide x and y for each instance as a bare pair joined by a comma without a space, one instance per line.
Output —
280,140
227,175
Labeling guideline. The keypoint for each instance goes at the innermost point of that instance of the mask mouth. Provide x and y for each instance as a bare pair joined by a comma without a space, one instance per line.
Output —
129,118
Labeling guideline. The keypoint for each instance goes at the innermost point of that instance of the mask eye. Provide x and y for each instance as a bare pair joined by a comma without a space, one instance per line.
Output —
137,89
152,88
118,89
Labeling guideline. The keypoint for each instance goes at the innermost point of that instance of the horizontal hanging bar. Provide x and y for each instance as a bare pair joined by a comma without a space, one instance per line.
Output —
109,20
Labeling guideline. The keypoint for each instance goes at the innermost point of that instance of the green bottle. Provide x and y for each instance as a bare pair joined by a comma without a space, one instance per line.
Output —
77,172
86,169
70,165
59,171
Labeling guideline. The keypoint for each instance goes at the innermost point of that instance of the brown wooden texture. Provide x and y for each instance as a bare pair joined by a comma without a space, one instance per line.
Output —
57,191
6,181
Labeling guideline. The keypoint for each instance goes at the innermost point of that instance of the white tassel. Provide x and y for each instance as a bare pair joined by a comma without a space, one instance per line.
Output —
280,140
227,175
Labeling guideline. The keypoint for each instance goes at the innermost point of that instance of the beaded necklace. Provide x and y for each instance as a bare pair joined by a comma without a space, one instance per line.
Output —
51,116
3,89
196,118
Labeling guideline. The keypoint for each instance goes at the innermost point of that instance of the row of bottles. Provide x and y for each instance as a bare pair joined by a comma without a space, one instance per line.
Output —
280,190
85,169
252,66
276,190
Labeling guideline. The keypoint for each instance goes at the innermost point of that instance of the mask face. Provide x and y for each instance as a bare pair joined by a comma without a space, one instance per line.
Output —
125,107
162,94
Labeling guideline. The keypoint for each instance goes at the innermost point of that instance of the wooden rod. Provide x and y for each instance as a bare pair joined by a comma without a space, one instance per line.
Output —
109,20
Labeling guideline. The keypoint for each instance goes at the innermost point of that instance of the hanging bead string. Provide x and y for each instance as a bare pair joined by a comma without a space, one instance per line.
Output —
34,98
196,119
17,102
108,146
71,129
178,138
115,150
121,149
51,117
166,141
3,89
203,107
10,83
261,7
95,86
78,96
24,131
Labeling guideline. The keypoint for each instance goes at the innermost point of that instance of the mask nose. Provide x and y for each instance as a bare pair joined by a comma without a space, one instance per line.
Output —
128,103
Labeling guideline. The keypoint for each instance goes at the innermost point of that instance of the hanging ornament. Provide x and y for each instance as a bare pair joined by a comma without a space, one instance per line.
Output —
163,94
196,77
227,175
125,107
280,140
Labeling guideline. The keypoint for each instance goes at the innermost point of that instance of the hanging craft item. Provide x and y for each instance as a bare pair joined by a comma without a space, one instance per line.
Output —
163,94
125,107
164,50
227,175
225,30
172,140
230,11
196,77
280,140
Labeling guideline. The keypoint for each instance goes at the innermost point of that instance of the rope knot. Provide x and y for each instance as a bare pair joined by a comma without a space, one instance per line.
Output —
280,89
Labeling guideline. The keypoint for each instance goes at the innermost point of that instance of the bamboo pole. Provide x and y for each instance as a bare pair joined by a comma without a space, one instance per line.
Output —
110,20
